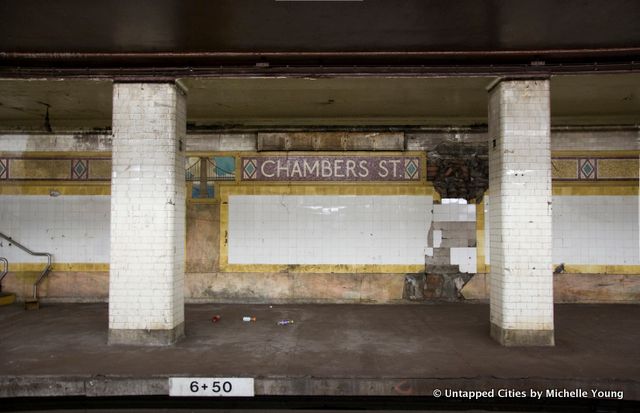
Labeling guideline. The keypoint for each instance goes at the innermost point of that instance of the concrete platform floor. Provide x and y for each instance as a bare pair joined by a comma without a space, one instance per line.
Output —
330,350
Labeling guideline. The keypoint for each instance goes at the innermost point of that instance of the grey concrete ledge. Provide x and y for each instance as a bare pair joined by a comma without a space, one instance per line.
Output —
84,141
620,137
524,338
146,337
113,386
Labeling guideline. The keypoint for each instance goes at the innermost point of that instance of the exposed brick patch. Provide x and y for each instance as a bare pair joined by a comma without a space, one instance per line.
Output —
459,170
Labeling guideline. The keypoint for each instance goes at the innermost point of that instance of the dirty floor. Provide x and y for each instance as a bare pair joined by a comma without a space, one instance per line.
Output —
444,341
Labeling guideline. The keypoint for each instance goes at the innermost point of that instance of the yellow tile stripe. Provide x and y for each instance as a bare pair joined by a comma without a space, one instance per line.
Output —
46,188
63,267
104,188
601,269
481,266
7,299
104,267
594,188
594,154
586,269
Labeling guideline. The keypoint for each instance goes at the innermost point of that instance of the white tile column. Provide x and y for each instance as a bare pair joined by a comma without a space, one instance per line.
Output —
520,213
146,298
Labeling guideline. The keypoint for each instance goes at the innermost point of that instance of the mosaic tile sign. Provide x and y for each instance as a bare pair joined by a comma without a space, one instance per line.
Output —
332,168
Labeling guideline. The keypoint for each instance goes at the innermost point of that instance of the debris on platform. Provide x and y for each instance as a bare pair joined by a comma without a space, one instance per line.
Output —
285,322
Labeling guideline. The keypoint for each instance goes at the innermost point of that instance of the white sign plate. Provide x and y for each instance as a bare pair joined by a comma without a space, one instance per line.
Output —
211,386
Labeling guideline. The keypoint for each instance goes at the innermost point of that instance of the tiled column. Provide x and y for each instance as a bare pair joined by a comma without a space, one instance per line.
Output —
146,298
520,213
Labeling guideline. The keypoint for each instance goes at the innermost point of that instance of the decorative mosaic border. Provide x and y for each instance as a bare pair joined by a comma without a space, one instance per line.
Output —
411,168
55,169
595,169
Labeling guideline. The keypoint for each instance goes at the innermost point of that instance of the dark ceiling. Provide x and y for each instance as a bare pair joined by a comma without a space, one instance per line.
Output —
329,26
231,103
205,33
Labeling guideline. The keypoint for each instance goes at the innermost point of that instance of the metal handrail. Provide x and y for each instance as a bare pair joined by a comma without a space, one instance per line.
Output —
36,254
5,271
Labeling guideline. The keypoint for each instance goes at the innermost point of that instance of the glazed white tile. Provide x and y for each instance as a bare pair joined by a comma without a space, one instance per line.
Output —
591,230
437,238
596,230
328,229
75,229
454,212
465,258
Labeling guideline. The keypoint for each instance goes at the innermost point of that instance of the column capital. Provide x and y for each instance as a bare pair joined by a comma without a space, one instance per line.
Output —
153,80
495,82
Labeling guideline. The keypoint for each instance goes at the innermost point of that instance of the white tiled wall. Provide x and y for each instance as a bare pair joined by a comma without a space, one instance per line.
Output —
465,258
454,212
328,229
596,230
72,228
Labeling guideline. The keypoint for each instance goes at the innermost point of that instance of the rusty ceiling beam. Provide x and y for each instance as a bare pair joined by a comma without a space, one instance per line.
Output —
160,66
161,74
